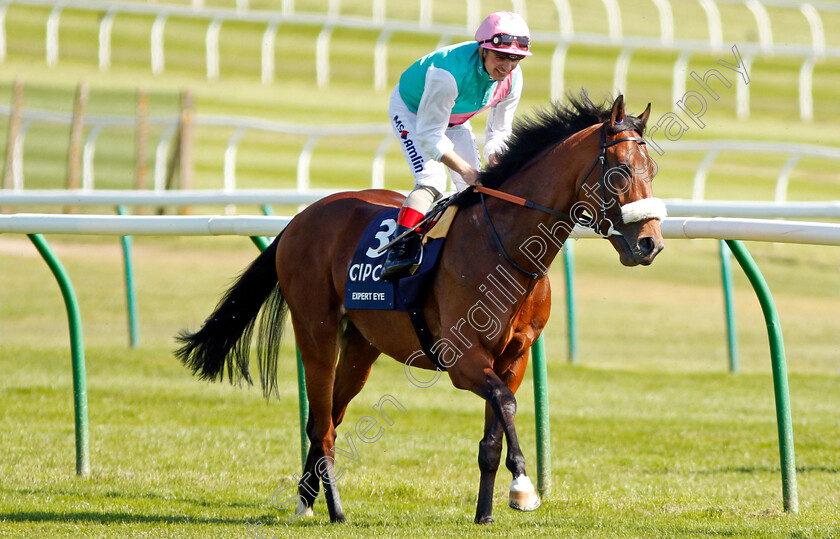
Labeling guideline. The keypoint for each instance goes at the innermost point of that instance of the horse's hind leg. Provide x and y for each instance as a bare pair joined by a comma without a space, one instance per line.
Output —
489,455
355,360
318,352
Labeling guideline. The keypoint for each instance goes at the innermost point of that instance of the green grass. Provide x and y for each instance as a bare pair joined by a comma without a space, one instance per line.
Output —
650,435
671,455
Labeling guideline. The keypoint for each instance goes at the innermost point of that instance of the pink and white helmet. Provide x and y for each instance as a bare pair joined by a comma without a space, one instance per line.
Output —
505,32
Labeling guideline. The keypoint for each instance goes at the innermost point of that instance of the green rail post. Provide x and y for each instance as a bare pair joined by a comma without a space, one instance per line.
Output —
729,305
303,409
261,242
542,418
780,378
130,296
303,403
77,352
571,319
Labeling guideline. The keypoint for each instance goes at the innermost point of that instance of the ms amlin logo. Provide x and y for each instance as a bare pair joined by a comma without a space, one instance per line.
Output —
411,151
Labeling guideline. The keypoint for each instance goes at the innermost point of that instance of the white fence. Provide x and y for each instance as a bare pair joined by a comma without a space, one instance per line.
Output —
240,126
713,148
159,198
63,198
732,229
672,227
809,54
130,225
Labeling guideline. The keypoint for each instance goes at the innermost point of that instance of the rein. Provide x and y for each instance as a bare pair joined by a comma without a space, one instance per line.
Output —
511,261
600,160
519,201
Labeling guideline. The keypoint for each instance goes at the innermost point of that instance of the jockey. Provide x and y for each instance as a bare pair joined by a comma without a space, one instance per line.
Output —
430,109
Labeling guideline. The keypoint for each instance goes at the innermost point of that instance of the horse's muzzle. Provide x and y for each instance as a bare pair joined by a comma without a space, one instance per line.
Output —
646,250
638,250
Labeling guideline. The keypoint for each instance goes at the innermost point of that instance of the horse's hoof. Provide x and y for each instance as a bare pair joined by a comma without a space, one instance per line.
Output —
523,495
338,519
303,510
524,501
485,520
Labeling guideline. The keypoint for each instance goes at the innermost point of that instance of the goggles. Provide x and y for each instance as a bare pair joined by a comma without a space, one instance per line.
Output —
507,40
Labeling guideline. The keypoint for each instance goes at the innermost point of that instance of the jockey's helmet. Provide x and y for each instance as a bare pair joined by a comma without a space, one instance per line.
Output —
505,32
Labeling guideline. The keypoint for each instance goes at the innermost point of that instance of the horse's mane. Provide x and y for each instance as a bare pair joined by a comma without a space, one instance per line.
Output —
550,126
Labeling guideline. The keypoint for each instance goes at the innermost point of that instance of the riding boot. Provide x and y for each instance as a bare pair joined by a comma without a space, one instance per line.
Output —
403,257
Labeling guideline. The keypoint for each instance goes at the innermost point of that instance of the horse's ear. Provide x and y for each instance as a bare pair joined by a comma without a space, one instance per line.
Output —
645,115
617,114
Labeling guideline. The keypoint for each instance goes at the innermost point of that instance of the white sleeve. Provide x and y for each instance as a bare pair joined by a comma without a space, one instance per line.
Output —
434,112
500,118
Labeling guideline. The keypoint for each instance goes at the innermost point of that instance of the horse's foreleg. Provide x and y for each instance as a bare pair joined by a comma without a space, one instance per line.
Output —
523,495
487,384
490,448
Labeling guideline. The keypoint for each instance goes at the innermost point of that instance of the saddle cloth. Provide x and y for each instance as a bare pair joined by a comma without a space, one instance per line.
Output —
366,290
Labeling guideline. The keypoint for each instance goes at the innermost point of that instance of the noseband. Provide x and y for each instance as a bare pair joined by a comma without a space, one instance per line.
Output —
648,208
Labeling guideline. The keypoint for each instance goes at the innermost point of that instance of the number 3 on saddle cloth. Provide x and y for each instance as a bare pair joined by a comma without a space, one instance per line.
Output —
365,289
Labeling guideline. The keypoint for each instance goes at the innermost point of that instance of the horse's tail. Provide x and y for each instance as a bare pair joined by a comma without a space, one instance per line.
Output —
225,337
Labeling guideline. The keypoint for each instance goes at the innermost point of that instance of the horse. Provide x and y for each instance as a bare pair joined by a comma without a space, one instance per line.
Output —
575,163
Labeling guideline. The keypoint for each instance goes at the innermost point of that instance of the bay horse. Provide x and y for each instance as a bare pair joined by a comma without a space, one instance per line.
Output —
576,163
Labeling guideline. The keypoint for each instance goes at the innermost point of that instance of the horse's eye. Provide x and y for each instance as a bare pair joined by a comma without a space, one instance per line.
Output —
618,179
641,165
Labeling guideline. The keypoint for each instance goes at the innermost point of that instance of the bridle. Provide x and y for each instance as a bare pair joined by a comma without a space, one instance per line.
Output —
600,161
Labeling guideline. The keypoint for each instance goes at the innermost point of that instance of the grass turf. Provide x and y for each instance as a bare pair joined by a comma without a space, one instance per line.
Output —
650,436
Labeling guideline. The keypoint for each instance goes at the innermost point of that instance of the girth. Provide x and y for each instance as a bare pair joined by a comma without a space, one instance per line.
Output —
427,341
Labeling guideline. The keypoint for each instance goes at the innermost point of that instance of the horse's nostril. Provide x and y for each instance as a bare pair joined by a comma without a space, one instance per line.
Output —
647,245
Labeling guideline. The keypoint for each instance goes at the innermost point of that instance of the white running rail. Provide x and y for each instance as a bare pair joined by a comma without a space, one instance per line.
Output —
239,127
122,225
808,53
292,197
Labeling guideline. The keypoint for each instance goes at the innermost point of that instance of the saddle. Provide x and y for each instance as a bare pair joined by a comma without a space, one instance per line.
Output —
364,288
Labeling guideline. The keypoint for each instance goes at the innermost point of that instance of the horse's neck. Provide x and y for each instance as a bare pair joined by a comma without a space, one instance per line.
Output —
550,180
532,236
